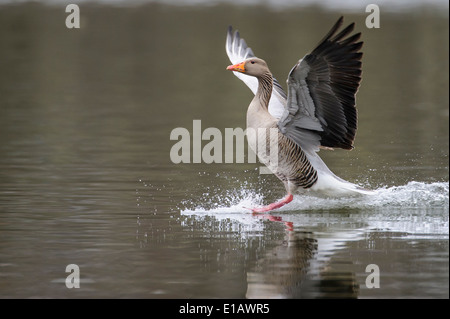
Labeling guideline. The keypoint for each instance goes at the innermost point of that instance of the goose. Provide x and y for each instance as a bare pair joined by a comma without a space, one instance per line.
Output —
318,111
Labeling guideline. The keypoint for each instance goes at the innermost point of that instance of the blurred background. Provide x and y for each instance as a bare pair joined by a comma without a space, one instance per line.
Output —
86,177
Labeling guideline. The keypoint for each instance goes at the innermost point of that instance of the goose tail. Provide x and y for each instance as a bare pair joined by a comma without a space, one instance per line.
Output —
331,185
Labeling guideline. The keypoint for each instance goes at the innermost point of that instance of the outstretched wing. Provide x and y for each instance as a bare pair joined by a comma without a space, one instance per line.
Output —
237,51
321,93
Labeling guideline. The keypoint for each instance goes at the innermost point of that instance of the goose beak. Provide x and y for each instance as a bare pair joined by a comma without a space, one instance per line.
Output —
240,67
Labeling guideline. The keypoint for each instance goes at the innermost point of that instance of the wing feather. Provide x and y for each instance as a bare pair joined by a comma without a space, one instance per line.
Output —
321,92
237,51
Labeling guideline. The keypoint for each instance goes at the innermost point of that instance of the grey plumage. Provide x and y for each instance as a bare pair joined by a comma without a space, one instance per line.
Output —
321,93
317,111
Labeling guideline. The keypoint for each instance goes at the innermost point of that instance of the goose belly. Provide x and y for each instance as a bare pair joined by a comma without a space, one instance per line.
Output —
283,157
300,170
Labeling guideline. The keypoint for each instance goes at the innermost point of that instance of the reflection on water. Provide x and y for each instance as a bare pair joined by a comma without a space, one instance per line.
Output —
86,178
313,260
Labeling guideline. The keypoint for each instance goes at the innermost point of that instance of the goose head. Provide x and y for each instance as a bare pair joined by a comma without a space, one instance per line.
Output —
252,66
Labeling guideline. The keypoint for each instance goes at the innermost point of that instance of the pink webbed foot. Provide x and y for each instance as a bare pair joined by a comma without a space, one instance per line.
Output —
273,206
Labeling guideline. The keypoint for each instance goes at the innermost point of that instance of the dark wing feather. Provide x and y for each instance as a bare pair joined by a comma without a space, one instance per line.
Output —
321,92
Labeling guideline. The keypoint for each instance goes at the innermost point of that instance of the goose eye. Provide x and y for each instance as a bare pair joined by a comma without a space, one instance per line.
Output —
252,62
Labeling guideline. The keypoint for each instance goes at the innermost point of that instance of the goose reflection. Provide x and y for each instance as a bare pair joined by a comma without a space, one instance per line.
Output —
285,255
293,269
289,225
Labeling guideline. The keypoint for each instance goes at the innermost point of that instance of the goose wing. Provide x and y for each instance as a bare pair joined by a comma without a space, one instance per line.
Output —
320,110
237,51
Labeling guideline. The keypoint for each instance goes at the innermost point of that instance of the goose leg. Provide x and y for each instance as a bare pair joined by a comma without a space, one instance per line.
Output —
290,188
275,205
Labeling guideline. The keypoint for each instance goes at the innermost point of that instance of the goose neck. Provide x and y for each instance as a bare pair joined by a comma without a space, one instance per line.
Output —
265,86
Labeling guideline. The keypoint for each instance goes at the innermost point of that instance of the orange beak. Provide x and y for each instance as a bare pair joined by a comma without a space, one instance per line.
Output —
240,67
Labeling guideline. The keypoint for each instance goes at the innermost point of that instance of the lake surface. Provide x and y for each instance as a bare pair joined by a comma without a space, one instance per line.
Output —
86,176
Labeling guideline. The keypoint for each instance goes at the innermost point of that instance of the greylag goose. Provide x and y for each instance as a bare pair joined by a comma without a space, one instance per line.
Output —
317,112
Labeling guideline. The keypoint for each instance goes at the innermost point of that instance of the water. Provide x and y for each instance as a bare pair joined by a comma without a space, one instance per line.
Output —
86,177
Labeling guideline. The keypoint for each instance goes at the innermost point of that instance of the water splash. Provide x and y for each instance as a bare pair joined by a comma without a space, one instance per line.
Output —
415,208
232,201
412,195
